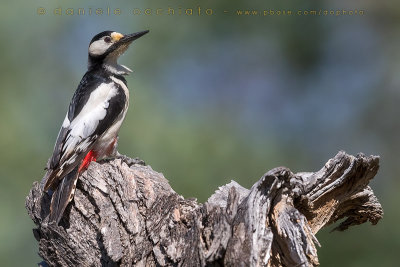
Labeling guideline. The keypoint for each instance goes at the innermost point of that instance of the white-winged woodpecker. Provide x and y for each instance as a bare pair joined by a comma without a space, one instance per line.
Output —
90,128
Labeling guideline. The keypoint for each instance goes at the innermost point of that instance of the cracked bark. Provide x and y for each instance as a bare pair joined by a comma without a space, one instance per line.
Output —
126,214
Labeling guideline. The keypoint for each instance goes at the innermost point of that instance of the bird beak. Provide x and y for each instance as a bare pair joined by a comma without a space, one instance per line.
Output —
121,44
128,38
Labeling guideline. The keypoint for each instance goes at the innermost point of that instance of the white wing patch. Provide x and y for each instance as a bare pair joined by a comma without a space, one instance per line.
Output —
86,122
66,121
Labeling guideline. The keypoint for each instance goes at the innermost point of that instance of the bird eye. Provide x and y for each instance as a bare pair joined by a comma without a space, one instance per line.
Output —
107,39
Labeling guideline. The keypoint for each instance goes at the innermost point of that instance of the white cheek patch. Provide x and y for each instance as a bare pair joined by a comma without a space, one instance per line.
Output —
98,47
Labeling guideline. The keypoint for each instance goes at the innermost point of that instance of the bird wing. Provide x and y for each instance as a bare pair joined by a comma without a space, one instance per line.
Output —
95,106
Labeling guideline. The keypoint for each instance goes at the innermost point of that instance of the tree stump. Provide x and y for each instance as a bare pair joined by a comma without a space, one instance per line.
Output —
126,214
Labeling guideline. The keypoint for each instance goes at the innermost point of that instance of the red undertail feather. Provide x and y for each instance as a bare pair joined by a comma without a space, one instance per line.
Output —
90,156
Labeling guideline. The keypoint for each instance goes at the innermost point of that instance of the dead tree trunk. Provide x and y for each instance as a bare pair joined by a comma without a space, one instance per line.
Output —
124,214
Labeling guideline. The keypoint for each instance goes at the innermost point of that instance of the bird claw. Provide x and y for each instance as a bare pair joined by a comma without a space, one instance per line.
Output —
129,161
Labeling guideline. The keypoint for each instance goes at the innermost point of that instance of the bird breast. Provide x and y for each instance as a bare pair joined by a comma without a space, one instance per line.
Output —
108,137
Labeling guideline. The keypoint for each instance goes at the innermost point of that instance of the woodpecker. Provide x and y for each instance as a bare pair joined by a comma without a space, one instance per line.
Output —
90,128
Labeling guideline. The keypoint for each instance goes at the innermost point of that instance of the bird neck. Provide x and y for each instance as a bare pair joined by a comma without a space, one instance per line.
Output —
108,64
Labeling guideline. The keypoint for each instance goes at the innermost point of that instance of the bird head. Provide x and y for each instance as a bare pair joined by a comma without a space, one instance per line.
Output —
106,47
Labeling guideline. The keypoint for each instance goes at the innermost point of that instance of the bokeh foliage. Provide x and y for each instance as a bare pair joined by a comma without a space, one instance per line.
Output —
214,98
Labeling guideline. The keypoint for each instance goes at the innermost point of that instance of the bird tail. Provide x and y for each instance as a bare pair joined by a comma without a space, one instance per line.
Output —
47,179
63,195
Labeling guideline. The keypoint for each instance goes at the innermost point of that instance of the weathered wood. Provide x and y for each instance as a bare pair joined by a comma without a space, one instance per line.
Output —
124,213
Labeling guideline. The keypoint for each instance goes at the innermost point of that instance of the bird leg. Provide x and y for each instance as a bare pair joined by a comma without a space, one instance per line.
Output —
112,148
112,153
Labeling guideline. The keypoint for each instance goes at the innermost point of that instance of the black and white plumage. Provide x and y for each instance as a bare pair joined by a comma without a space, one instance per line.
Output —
90,128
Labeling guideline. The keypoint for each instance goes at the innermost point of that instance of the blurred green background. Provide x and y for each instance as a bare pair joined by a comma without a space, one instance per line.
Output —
215,97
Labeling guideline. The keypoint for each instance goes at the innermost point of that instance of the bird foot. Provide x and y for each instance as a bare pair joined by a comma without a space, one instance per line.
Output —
126,159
